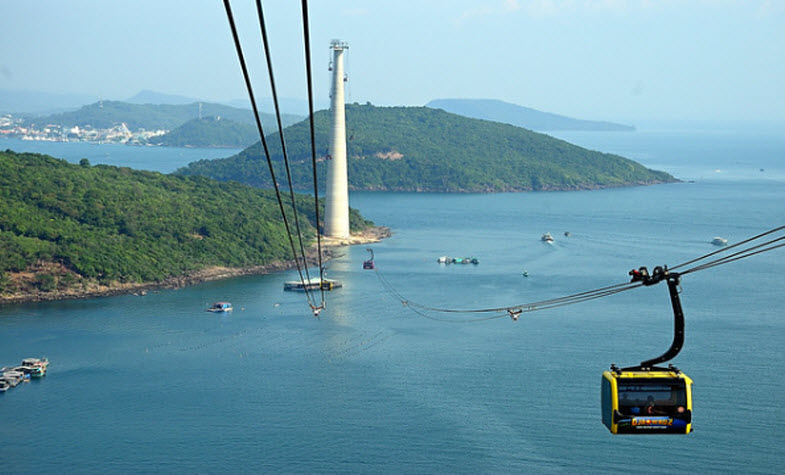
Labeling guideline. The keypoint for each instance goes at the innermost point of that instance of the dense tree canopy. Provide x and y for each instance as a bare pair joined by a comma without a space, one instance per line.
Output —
111,224
209,132
423,149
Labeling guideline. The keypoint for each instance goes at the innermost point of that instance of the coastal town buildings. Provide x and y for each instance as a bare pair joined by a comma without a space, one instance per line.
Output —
15,127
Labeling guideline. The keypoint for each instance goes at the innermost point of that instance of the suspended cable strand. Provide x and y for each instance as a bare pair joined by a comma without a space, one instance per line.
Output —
514,311
309,75
738,255
725,249
274,92
252,97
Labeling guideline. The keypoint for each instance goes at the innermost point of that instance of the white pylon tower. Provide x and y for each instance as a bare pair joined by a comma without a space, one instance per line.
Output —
336,219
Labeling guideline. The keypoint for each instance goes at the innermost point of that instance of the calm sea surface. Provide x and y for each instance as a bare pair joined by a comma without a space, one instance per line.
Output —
156,384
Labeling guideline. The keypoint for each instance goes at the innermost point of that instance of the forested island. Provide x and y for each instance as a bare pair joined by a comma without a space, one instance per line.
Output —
430,150
75,230
209,132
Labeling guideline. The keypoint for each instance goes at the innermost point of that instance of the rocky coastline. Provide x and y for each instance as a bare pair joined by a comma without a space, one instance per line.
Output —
91,289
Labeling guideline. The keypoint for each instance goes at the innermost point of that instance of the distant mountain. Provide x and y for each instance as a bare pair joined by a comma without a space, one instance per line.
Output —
32,102
425,149
106,114
500,111
209,132
288,105
152,97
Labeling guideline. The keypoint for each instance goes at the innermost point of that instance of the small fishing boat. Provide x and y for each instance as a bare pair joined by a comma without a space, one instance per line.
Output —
220,307
458,260
547,237
32,371
36,362
4,386
719,241
14,377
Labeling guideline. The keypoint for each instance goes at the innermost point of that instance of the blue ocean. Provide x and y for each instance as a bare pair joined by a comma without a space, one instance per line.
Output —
155,383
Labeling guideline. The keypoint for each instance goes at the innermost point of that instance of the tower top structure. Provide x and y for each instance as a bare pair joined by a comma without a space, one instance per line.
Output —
338,45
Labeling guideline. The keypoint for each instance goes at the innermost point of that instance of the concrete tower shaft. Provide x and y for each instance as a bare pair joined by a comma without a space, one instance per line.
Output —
336,219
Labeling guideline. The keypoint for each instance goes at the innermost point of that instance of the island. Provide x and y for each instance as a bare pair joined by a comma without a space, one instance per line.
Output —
78,230
420,149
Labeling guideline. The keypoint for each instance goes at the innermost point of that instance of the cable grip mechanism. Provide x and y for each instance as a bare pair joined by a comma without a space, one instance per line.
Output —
659,274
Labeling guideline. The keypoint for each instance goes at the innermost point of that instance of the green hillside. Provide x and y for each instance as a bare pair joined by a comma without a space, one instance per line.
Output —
209,132
107,114
65,226
424,149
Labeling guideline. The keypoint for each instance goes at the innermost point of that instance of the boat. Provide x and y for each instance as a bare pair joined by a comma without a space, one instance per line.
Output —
43,363
312,284
719,241
14,377
547,237
4,386
32,371
458,260
220,307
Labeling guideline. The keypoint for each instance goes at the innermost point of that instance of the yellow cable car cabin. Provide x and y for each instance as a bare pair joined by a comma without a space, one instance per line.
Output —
649,399
647,402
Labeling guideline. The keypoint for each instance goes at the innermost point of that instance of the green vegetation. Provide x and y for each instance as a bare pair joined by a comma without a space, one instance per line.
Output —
70,225
209,132
423,149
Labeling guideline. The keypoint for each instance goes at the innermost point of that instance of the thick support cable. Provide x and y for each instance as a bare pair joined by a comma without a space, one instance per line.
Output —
246,76
309,75
274,91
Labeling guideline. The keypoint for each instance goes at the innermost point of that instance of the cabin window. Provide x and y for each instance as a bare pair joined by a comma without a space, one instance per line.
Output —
654,398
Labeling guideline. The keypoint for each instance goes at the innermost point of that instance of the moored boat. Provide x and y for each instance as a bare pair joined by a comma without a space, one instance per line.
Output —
13,377
719,241
32,371
220,307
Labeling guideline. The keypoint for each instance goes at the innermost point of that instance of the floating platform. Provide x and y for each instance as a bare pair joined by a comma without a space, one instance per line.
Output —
312,284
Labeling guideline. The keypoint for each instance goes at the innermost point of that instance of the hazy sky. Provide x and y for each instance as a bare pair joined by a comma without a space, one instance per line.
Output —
603,59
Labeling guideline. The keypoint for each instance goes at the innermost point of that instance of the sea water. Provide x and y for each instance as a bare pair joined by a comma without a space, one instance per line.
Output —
161,159
156,384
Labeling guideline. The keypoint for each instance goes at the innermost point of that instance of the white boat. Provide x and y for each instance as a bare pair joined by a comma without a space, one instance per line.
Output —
444,260
312,284
719,241
547,237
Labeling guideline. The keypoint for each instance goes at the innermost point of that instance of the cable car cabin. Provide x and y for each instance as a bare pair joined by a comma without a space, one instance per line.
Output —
367,265
657,401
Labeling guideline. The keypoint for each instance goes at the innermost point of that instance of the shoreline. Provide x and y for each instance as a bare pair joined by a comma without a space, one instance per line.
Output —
93,290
